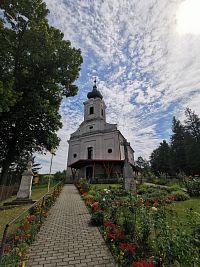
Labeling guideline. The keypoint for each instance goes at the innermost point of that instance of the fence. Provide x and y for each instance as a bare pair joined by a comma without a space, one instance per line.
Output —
8,191
40,205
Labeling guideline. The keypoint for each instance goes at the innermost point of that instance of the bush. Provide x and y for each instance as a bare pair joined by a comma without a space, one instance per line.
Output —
193,187
84,184
175,187
160,181
180,195
142,189
97,218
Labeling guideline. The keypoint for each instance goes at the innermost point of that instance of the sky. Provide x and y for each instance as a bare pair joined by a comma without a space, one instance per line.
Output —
146,57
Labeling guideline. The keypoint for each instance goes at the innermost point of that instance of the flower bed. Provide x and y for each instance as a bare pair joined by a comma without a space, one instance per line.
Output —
140,229
16,245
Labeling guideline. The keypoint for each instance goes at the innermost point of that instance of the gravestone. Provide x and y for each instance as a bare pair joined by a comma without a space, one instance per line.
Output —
129,180
128,175
24,192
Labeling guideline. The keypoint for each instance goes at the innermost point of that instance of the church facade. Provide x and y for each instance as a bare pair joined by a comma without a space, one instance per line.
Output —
96,149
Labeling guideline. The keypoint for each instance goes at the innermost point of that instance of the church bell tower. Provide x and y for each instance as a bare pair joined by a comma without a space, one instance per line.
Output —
94,107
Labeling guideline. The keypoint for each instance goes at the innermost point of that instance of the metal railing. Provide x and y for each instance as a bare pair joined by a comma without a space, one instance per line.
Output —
22,215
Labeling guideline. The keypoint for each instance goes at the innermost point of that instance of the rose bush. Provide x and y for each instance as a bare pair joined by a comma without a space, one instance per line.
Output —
140,229
17,244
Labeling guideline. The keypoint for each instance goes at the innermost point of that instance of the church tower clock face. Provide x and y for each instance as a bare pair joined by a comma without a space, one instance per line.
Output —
95,149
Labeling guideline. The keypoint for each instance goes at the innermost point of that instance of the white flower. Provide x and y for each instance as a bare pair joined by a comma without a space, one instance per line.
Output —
154,208
106,190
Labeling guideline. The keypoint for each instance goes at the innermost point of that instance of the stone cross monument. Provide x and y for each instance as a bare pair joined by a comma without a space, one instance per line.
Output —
24,193
129,181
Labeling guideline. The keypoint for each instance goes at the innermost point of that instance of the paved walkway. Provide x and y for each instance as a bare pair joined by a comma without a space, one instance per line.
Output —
66,239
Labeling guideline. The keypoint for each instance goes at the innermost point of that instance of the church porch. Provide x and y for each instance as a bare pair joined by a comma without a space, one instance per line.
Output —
98,171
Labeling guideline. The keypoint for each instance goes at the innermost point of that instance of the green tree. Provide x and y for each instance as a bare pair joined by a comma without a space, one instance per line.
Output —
59,176
192,141
192,124
144,165
8,96
37,68
178,149
160,159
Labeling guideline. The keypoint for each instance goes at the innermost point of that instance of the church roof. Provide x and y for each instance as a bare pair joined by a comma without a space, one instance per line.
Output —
94,93
84,162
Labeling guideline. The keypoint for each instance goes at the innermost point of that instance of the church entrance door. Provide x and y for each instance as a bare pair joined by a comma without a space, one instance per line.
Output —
89,173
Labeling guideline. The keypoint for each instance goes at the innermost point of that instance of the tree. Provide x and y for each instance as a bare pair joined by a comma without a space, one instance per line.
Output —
192,141
8,96
160,159
37,67
178,150
183,154
143,164
144,167
59,176
192,124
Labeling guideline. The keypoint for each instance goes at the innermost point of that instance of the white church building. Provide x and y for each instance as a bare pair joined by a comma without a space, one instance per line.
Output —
96,148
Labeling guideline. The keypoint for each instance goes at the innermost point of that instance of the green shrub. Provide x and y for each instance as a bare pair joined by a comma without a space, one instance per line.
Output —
180,195
193,187
97,218
85,185
161,181
175,187
88,196
142,189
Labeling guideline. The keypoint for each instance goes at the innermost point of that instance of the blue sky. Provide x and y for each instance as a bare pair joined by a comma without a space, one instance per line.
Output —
146,57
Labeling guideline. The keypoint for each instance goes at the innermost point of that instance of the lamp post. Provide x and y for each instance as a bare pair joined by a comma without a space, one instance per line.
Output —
52,151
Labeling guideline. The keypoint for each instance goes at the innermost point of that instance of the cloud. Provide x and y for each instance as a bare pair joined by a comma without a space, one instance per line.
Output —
147,72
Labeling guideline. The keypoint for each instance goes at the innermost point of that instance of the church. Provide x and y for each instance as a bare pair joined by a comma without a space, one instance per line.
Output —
97,149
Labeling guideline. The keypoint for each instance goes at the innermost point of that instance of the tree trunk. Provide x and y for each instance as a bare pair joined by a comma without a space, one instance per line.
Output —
4,173
6,164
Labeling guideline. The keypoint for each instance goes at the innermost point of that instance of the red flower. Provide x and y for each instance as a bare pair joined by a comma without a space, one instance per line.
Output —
7,249
111,236
108,223
173,197
26,226
30,218
143,263
95,206
131,248
117,232
122,245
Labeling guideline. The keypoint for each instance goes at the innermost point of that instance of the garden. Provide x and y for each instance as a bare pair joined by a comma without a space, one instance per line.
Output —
147,229
22,230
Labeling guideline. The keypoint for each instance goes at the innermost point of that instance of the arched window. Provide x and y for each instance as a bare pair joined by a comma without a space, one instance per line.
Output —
75,155
90,152
110,150
91,110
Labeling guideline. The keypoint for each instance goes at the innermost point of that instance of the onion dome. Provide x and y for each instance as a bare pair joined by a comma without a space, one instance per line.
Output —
95,93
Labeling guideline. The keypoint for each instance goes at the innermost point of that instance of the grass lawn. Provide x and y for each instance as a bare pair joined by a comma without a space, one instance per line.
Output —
9,214
181,207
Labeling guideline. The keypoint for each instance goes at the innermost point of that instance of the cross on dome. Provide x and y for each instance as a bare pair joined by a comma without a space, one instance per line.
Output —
94,93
